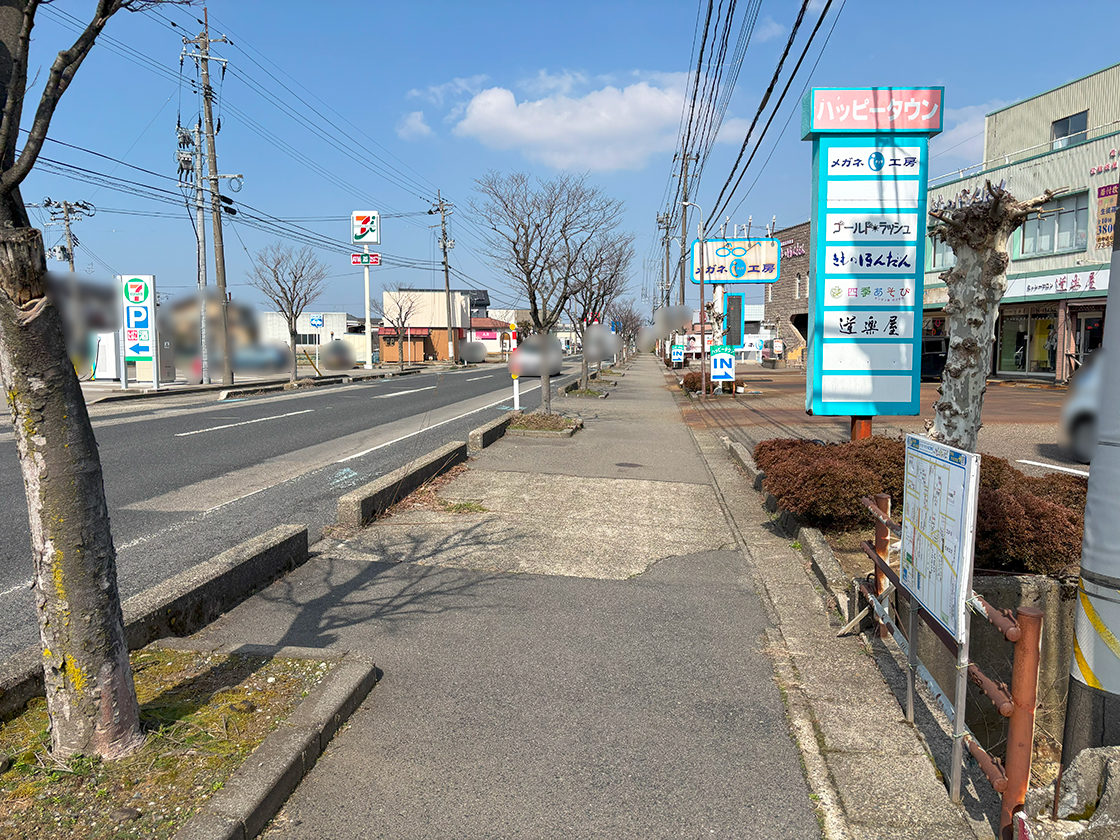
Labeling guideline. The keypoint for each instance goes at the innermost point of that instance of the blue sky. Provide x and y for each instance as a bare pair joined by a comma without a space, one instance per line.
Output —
432,95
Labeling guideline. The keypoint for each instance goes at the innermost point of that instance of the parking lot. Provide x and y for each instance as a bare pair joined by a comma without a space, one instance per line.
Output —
1021,420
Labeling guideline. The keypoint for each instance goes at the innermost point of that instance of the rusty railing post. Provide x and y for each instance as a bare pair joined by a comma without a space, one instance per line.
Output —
1020,728
882,547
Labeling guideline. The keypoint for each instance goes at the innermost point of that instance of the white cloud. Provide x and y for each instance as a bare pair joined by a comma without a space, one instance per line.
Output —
437,94
412,126
733,130
962,142
767,29
606,129
545,83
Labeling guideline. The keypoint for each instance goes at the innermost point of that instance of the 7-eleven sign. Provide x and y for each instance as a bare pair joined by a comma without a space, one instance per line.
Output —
365,227
136,290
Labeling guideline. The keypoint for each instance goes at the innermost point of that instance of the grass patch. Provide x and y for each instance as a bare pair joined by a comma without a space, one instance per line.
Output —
202,713
542,422
584,392
428,498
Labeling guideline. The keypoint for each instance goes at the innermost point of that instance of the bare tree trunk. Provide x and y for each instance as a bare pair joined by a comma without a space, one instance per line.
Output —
90,693
584,382
295,361
546,386
977,228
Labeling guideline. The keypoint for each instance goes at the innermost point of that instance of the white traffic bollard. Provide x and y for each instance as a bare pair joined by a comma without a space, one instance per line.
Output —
516,393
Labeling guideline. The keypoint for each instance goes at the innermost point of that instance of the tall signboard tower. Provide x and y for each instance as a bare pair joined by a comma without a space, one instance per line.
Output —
870,159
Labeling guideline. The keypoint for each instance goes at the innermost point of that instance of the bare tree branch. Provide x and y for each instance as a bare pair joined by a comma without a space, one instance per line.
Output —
397,307
292,280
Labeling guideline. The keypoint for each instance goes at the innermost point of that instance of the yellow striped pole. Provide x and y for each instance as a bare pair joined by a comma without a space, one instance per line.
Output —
1093,707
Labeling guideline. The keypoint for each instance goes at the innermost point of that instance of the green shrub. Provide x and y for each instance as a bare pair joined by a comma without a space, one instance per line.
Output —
1024,523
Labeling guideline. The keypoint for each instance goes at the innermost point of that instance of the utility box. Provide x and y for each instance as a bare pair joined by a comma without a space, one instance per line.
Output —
107,355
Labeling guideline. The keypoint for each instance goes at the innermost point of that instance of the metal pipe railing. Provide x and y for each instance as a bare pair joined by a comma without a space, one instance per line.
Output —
1023,628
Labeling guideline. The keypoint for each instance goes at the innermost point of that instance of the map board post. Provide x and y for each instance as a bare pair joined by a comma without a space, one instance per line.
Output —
870,159
936,553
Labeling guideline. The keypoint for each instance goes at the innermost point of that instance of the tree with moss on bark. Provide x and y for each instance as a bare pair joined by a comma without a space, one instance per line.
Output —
91,698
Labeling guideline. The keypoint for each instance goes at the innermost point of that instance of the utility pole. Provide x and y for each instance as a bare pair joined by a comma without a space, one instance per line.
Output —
1093,704
685,160
63,213
444,208
191,163
203,42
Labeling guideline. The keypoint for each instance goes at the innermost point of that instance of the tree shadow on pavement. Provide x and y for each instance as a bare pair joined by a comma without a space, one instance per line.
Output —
351,586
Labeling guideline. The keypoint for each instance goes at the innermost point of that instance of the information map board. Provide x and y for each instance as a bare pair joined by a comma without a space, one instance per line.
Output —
939,529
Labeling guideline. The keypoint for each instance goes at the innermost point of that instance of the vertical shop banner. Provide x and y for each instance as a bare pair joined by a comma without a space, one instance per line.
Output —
1106,214
870,159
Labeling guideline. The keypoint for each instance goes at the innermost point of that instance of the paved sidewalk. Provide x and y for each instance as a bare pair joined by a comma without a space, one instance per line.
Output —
585,654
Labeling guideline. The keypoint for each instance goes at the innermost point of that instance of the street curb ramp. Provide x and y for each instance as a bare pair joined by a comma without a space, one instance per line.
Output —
178,606
358,507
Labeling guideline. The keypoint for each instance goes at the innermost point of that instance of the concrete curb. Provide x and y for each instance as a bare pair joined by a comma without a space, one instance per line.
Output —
814,546
256,790
487,434
180,605
359,506
250,391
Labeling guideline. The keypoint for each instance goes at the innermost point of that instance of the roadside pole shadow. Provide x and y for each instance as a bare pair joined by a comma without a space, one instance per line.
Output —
978,798
390,592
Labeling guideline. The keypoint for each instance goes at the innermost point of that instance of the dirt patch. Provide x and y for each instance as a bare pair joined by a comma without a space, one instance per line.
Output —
202,713
543,422
428,498
299,383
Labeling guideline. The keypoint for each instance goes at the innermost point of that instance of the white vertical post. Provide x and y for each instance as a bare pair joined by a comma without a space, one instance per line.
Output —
123,335
369,323
516,393
155,338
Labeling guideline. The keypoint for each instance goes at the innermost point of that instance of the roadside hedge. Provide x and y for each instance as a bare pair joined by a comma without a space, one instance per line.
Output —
1025,524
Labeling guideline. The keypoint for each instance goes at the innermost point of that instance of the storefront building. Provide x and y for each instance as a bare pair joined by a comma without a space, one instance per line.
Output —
1052,315
786,302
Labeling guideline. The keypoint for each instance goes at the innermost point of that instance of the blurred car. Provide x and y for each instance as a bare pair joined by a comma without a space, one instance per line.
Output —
935,349
530,358
1082,408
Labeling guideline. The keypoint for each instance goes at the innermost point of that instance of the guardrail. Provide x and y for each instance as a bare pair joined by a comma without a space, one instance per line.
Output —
1023,628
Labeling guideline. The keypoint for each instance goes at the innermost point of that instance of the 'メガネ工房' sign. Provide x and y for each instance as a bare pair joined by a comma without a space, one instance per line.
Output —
870,154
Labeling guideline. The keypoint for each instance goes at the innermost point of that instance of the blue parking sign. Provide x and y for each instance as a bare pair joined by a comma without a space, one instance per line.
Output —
136,317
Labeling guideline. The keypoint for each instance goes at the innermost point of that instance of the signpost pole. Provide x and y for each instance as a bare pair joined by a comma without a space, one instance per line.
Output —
155,338
861,427
124,337
369,323
959,700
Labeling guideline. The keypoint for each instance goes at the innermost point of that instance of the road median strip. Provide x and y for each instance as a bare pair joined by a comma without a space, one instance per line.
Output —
358,507
178,606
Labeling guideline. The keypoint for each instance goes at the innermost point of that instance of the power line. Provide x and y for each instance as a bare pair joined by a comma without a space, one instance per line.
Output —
774,112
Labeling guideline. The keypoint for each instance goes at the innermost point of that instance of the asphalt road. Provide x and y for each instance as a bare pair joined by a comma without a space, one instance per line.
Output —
188,477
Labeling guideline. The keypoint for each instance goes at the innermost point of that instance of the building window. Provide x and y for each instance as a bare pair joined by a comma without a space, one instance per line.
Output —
941,255
307,338
1060,225
797,287
1070,131
769,293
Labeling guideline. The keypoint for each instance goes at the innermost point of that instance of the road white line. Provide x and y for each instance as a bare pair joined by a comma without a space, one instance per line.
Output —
427,428
244,423
1055,467
25,585
402,393
476,378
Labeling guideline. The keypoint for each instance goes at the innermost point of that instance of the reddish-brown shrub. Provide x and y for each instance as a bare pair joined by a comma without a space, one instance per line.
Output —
823,487
1021,532
692,382
766,452
1025,523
